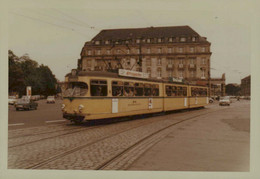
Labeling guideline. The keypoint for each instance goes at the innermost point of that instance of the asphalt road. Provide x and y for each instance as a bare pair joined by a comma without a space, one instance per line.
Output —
45,114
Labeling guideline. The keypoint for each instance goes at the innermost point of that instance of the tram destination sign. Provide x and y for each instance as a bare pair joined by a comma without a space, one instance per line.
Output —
130,73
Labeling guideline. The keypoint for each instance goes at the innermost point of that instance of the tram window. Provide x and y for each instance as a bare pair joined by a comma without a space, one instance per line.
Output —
193,91
128,89
76,89
147,90
168,90
117,88
179,92
174,91
98,88
155,90
184,91
139,89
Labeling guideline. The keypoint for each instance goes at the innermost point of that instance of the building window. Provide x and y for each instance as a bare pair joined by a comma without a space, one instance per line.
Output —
138,51
159,50
159,72
149,71
98,52
182,39
193,39
180,74
203,61
203,73
170,73
108,52
170,39
192,61
192,74
128,51
88,63
89,52
180,61
180,49
148,40
203,49
159,62
148,50
170,50
170,61
159,40
97,42
148,62
118,51
106,42
192,49
138,41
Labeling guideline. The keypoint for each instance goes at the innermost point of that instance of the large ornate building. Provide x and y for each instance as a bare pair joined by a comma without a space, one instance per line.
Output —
163,52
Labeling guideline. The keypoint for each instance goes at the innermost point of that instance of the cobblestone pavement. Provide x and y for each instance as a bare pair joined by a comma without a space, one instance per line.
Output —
91,151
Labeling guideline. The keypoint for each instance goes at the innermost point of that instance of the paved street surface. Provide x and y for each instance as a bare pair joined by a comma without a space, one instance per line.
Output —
212,139
218,142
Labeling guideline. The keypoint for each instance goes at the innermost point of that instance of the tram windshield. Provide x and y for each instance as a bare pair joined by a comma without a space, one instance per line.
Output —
75,89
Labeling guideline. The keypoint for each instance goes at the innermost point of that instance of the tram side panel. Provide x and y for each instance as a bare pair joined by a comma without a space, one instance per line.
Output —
175,97
197,96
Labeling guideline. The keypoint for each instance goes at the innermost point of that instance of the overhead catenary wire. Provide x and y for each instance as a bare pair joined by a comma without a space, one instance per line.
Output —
50,23
75,19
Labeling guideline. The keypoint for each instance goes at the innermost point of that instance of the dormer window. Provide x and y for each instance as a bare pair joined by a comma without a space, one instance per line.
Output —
182,39
106,42
89,52
97,42
193,39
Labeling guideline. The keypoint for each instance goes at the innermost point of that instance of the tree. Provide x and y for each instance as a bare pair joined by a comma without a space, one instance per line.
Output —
232,89
24,72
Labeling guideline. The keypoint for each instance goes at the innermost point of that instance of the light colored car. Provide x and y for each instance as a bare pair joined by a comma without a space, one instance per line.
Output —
12,100
50,99
224,101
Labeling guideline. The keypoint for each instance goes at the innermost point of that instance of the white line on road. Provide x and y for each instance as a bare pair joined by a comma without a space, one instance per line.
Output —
55,121
17,124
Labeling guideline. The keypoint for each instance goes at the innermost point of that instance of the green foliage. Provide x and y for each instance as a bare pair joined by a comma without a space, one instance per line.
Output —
232,90
24,71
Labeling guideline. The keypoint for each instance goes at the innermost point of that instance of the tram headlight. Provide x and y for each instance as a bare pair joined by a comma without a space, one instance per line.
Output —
81,108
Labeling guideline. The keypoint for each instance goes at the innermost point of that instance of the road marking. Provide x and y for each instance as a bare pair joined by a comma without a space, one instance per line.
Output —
55,121
17,124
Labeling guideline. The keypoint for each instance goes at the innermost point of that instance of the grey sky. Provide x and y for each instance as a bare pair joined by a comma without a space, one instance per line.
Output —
54,33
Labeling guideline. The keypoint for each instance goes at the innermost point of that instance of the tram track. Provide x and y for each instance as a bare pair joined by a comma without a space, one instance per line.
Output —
107,162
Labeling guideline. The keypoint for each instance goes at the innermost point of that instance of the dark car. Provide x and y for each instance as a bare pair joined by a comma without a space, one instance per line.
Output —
26,104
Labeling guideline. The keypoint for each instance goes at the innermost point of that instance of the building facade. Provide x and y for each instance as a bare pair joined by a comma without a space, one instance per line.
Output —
162,52
246,86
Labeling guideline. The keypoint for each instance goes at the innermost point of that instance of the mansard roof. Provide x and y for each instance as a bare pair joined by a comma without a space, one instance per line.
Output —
149,32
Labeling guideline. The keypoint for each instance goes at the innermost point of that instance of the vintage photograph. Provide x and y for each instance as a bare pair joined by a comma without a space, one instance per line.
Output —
129,86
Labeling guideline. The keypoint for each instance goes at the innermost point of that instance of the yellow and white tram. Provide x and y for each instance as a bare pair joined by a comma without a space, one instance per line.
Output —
98,95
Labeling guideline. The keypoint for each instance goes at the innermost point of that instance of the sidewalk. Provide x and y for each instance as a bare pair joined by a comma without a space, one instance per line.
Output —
219,141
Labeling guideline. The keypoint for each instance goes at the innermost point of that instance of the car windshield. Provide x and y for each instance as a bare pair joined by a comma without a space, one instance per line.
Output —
23,101
50,97
12,97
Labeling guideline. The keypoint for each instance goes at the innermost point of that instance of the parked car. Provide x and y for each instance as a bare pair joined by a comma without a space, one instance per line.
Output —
12,100
26,104
50,99
224,101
